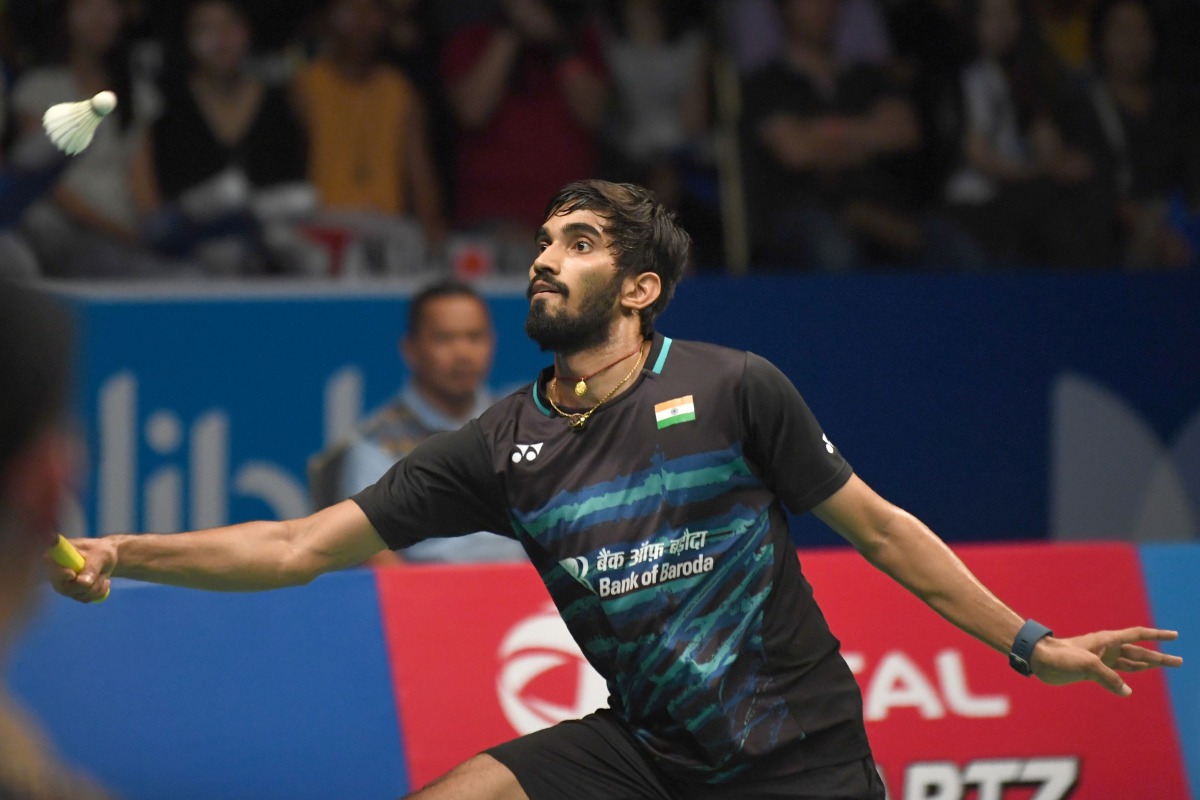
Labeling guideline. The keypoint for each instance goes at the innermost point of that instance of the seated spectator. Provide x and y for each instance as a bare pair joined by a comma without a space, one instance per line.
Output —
448,350
1146,129
822,140
656,134
368,137
1028,193
89,224
221,127
528,90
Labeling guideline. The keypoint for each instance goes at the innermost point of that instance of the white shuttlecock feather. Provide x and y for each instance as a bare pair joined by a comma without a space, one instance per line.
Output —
71,125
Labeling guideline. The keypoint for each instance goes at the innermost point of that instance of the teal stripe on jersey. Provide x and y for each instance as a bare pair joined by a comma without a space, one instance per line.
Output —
637,494
538,400
662,356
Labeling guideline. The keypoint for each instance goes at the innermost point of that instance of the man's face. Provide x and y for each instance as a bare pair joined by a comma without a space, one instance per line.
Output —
573,284
450,353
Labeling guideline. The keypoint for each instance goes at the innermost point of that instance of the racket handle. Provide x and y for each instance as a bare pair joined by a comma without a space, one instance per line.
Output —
66,556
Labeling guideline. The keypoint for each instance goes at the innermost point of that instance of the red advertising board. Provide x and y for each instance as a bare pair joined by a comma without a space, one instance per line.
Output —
479,656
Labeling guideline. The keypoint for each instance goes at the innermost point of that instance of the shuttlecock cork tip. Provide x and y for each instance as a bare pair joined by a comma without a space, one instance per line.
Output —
104,103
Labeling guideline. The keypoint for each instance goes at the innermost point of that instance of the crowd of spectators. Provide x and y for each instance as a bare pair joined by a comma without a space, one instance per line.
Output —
342,137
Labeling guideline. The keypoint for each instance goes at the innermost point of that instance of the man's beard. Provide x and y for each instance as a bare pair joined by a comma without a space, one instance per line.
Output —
566,333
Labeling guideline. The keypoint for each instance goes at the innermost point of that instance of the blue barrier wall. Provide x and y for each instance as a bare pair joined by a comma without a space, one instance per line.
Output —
1171,572
994,406
191,695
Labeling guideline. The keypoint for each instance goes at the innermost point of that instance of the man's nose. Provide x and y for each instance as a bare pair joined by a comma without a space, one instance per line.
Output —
548,261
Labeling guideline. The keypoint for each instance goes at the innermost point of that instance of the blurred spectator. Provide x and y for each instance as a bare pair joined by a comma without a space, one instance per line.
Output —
528,90
1026,191
37,457
29,167
822,140
860,35
224,136
90,224
657,57
448,350
1064,26
1147,130
368,137
933,43
656,134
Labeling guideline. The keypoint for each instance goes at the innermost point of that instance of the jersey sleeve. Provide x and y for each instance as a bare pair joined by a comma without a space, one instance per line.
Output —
785,442
444,487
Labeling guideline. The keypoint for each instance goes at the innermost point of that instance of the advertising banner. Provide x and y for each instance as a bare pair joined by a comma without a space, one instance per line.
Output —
480,656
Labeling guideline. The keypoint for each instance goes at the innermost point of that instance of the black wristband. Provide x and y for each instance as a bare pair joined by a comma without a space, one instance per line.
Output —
1021,656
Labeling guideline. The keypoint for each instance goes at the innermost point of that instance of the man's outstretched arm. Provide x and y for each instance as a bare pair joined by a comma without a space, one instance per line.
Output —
254,556
907,550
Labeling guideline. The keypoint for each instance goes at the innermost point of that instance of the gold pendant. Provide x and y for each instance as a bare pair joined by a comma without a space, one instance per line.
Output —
577,423
581,388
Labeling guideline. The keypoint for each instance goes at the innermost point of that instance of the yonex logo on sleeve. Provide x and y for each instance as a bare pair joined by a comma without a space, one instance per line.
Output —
829,448
527,452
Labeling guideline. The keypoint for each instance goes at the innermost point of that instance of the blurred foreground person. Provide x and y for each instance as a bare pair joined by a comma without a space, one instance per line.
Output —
36,456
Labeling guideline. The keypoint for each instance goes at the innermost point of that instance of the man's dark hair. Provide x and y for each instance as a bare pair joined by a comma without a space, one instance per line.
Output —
35,366
645,234
436,291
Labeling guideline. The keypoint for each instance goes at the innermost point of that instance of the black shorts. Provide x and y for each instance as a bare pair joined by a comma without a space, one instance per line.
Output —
595,758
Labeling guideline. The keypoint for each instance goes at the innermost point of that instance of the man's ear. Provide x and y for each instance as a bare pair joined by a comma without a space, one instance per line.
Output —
640,291
37,479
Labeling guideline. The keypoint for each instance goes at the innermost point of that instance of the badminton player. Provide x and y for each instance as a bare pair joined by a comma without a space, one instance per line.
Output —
646,479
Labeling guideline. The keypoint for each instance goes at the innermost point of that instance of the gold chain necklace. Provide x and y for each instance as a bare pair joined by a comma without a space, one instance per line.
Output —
577,419
581,387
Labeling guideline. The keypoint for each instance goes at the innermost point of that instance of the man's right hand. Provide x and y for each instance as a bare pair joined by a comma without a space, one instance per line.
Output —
91,584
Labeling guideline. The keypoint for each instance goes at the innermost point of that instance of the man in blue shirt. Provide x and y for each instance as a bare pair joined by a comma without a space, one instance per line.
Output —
448,349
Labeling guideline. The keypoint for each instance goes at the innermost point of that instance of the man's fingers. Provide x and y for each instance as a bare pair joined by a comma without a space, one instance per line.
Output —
1148,656
100,590
1109,679
1141,634
60,575
76,592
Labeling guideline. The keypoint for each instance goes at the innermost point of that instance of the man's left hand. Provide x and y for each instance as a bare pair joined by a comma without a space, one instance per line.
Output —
1100,656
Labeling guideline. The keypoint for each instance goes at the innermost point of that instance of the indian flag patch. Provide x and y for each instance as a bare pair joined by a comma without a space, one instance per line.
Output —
673,412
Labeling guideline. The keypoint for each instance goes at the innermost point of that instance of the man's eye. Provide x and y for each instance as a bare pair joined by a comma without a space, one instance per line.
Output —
583,246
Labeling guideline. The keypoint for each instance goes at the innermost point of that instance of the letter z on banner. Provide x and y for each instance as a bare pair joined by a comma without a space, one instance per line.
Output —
479,656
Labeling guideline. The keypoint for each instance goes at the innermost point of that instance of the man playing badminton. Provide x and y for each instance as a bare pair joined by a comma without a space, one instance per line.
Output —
646,479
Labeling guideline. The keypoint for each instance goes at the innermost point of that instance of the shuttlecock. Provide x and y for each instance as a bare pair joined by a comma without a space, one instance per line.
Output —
71,125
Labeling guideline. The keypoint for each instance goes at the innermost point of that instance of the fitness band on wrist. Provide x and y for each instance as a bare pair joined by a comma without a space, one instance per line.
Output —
1021,655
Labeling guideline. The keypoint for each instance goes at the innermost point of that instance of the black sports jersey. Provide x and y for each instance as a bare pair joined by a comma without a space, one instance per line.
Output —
660,533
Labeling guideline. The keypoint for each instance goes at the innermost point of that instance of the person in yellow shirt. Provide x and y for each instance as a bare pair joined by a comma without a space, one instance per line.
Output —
368,139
